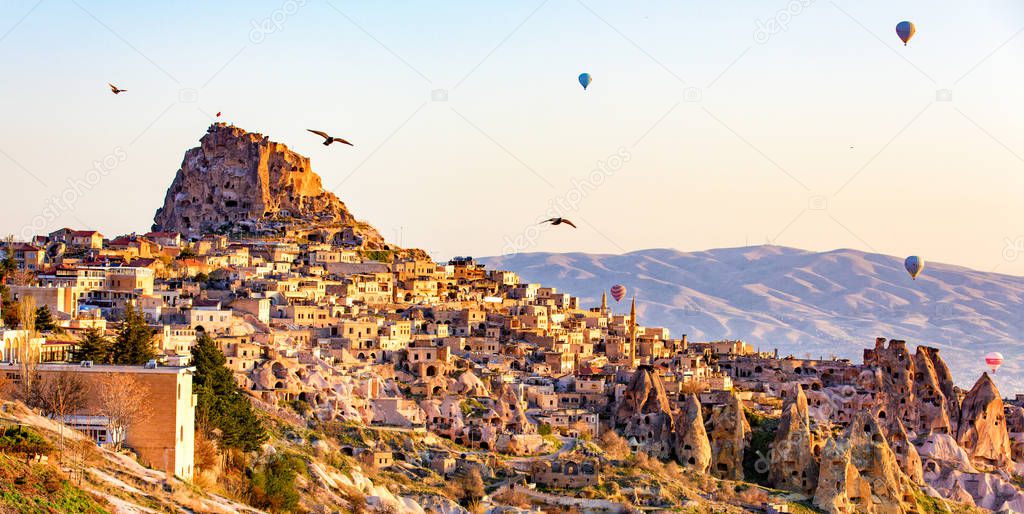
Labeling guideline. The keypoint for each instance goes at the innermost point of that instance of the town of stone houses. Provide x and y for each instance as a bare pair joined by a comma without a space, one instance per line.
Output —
372,378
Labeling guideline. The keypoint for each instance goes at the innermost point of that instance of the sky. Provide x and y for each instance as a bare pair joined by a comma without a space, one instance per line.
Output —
708,124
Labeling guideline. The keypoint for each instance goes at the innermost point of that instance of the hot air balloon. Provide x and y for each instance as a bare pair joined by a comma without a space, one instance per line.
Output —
618,292
585,80
905,30
914,265
994,360
218,114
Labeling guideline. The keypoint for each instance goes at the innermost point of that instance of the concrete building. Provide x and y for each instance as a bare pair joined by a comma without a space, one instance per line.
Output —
166,438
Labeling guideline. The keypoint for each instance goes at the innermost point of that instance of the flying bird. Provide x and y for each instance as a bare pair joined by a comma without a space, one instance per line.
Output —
328,139
559,221
114,89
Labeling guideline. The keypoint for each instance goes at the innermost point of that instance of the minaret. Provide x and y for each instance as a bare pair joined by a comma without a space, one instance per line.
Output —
632,333
604,304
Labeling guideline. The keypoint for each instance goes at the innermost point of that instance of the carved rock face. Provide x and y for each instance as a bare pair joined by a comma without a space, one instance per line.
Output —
729,434
860,473
982,429
645,415
794,464
237,179
692,447
915,389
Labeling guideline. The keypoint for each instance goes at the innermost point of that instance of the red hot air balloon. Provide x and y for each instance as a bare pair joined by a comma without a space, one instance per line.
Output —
994,360
618,292
218,114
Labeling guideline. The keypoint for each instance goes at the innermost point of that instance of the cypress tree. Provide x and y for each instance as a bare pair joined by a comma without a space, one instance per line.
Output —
220,402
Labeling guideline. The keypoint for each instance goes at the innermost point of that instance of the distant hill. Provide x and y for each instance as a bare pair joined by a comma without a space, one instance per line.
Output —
804,302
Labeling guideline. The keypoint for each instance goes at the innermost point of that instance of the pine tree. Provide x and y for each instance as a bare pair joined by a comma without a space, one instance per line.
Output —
220,403
134,345
93,346
44,320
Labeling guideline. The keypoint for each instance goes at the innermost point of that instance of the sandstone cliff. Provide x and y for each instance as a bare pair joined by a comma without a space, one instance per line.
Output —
238,181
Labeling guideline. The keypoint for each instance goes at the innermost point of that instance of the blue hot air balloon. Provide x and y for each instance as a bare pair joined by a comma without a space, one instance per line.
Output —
585,80
914,265
905,30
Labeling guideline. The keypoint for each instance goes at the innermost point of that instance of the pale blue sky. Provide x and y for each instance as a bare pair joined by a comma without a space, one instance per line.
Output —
758,147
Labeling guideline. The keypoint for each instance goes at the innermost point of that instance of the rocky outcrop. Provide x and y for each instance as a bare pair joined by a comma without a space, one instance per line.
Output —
645,415
729,433
859,473
794,465
241,181
982,425
468,384
692,447
511,408
916,389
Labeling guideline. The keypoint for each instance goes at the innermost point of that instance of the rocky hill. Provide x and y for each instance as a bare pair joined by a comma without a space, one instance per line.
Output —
242,182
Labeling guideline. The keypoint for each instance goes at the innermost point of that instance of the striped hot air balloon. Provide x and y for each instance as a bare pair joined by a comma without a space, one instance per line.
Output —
994,360
618,292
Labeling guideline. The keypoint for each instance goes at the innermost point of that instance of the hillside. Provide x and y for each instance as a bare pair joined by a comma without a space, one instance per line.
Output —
804,302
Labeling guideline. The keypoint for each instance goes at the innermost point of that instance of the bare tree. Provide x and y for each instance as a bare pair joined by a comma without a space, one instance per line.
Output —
122,399
61,395
27,354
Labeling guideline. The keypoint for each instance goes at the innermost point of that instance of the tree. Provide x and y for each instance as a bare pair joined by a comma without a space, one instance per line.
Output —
123,400
9,307
614,445
27,354
44,319
61,395
134,345
273,484
93,346
472,485
8,264
220,403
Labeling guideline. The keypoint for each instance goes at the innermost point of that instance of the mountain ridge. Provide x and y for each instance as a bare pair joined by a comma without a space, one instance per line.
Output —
801,301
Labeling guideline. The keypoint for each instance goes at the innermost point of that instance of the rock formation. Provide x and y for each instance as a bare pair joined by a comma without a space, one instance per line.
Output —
729,433
645,414
692,447
511,408
794,465
982,424
906,453
241,181
915,389
860,473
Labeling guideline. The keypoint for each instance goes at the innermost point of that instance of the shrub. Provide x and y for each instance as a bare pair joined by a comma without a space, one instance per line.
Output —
23,441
